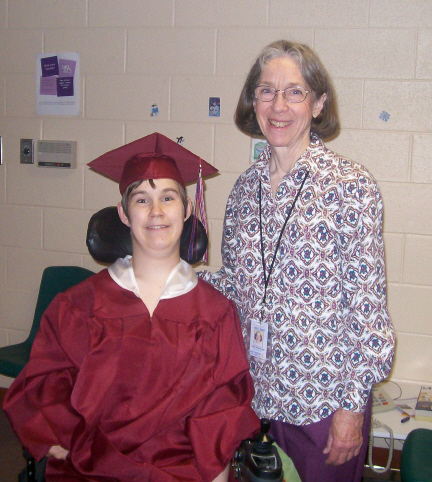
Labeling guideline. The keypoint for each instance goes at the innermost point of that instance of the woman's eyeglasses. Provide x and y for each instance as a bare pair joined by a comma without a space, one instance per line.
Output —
294,95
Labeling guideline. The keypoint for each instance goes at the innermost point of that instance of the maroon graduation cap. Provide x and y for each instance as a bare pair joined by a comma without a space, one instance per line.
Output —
151,157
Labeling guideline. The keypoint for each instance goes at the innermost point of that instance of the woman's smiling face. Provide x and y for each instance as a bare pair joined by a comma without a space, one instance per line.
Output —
282,123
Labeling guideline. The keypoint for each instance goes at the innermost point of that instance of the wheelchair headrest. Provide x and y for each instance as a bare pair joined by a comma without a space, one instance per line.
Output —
108,238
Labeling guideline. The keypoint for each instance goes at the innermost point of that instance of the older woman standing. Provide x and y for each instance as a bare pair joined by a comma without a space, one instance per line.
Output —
303,258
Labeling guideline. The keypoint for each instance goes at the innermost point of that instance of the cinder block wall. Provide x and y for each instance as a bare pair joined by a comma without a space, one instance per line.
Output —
177,54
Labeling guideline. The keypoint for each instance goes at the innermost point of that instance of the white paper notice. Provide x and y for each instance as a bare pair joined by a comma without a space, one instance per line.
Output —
57,84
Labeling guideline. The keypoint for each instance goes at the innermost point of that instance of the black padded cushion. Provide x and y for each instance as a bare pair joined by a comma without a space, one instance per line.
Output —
108,238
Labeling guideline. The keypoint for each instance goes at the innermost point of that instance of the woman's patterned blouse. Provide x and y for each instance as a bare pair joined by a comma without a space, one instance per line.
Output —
330,335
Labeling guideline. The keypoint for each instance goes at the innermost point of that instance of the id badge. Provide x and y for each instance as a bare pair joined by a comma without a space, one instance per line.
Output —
258,340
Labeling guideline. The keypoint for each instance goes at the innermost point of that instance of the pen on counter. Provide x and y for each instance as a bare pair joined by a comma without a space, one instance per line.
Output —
406,416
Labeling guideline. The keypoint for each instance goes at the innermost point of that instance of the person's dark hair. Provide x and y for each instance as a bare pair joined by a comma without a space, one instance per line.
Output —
317,79
127,194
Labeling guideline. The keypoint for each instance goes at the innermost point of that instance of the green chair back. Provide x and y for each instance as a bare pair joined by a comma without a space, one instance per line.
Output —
55,279
416,458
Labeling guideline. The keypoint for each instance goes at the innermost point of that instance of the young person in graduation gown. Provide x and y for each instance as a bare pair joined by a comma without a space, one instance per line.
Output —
140,372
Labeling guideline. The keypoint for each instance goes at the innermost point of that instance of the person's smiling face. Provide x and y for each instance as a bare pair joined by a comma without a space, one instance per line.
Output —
286,124
156,217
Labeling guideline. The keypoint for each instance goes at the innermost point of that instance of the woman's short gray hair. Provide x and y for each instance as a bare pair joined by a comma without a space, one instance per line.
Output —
326,124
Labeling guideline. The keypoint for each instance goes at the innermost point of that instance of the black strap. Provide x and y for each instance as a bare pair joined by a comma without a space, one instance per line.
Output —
267,277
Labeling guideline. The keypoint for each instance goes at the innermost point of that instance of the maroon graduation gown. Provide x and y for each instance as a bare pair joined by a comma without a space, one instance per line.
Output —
135,398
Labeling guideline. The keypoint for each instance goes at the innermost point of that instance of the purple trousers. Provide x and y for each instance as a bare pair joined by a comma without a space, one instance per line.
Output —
304,445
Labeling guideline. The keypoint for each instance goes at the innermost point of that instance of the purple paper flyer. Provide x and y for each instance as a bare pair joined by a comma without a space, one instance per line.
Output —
48,86
49,66
66,68
65,87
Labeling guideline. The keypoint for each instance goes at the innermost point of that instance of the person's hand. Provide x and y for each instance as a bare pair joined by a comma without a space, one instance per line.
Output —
57,452
345,437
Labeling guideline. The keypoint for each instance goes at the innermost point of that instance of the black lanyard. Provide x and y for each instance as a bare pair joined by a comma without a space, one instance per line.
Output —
267,277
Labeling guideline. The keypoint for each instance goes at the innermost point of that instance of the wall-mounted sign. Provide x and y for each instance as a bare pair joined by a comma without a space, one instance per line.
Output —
214,106
258,145
57,84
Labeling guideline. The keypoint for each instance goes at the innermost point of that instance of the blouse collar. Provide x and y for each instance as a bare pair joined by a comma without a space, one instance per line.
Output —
181,280
305,161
